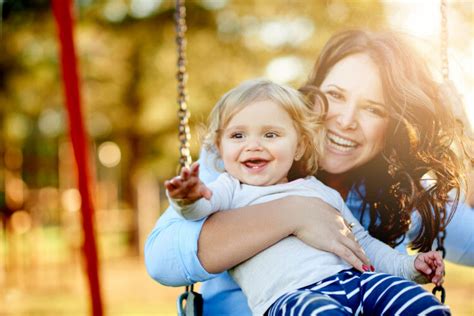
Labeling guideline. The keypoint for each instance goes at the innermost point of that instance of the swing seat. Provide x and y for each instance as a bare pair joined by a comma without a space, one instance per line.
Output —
189,303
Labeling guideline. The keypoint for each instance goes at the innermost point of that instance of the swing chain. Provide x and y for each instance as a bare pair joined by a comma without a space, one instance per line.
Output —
445,72
440,241
181,76
189,303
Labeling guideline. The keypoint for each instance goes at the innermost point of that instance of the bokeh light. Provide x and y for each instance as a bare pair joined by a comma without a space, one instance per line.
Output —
115,10
280,32
16,192
21,222
50,122
285,69
143,8
109,154
71,200
16,126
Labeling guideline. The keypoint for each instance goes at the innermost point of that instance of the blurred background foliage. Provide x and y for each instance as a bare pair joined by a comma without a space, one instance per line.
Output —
128,62
127,59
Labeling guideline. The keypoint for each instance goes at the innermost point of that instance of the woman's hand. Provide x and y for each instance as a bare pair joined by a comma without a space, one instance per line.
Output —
431,266
319,225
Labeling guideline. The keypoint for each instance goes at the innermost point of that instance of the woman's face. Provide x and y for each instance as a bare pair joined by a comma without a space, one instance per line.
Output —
357,118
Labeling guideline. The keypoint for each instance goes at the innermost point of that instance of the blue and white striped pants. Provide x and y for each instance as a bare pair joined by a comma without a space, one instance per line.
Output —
351,292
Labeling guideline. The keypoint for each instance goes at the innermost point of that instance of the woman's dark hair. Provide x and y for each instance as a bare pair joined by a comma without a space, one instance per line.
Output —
420,141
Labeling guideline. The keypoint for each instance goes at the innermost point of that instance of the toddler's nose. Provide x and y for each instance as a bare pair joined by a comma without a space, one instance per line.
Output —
254,145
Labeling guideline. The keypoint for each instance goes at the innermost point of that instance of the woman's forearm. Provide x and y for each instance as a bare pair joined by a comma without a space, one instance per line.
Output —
230,237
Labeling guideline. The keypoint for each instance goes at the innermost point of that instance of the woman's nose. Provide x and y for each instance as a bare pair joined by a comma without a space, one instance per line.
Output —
347,117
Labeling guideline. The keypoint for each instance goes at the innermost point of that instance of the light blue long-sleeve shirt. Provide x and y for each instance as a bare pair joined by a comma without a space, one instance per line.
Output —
171,251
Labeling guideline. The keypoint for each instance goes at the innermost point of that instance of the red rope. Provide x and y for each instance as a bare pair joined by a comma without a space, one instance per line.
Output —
62,15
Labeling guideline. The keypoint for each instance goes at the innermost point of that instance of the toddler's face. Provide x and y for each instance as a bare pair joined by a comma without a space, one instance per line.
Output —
259,144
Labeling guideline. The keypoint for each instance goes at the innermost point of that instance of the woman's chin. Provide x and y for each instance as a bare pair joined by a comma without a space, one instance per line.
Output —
335,169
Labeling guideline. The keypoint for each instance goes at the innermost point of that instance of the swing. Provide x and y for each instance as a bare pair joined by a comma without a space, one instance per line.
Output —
190,303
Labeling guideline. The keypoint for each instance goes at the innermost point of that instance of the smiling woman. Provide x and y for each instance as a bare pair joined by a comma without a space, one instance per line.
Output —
357,117
387,127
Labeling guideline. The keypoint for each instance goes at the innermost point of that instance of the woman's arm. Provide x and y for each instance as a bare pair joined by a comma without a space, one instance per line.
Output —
179,252
170,251
459,242
230,237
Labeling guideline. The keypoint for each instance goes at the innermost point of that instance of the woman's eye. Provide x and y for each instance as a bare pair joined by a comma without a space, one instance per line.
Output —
271,135
237,135
376,110
335,95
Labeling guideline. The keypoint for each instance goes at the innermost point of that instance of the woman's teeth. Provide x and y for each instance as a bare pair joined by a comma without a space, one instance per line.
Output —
340,143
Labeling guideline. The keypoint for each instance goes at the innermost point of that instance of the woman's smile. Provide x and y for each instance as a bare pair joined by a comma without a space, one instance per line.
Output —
339,143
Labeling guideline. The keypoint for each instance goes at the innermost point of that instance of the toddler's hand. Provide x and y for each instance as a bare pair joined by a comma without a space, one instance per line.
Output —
431,265
187,185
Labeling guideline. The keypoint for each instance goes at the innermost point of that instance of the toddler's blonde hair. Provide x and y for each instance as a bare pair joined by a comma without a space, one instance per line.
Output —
307,122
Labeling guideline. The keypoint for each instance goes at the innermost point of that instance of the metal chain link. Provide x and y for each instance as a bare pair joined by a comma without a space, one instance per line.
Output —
181,76
445,72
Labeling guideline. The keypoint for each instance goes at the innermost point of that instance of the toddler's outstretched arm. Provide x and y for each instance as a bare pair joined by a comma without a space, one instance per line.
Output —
187,188
193,200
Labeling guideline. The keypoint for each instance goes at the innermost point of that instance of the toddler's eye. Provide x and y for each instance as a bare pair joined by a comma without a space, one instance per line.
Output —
271,135
237,135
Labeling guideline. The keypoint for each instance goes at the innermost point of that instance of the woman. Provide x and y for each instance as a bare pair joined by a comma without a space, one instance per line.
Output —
386,129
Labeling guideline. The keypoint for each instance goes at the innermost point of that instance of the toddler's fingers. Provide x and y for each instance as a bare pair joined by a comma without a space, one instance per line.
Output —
169,187
440,281
191,183
206,193
422,266
176,182
185,173
173,191
195,169
439,269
